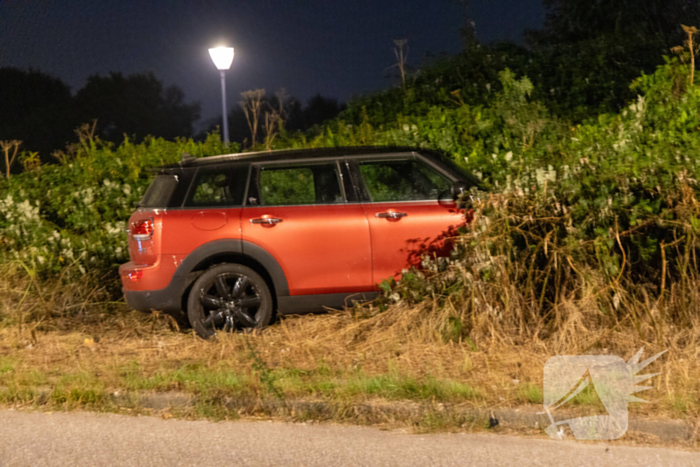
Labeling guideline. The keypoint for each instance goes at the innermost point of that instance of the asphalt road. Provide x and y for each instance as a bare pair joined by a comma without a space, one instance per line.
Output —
61,439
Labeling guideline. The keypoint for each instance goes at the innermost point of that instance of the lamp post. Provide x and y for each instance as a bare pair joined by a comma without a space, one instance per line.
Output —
223,57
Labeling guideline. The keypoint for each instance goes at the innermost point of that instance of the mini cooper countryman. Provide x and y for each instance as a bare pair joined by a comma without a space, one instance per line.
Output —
231,240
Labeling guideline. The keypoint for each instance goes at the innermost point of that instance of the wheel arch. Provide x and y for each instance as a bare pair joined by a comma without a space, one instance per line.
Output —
232,251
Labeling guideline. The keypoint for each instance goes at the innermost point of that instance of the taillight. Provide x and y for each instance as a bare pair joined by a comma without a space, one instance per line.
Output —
142,230
135,275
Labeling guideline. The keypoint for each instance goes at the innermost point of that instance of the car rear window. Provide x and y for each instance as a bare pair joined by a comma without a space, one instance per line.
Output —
159,193
218,186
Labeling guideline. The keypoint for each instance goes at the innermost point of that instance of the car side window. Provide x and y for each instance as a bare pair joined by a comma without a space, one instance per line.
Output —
159,193
402,180
299,185
218,186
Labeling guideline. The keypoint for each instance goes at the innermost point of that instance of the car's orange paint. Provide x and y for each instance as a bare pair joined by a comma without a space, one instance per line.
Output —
176,233
156,276
211,219
321,249
399,243
187,229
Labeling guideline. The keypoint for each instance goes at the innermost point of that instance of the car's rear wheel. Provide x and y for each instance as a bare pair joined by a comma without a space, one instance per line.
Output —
229,297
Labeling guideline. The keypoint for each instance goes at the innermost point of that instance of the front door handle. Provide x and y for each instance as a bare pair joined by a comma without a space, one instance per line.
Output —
390,215
266,220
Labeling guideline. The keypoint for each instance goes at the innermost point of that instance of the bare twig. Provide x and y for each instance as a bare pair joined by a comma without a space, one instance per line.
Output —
691,31
283,103
272,120
401,59
7,147
251,105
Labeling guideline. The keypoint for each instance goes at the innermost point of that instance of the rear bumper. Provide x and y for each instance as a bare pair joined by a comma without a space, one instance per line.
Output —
156,286
148,277
161,300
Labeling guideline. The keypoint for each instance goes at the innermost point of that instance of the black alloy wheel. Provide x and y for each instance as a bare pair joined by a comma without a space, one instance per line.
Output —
229,297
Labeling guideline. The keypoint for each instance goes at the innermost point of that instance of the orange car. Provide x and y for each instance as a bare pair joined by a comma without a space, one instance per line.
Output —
232,239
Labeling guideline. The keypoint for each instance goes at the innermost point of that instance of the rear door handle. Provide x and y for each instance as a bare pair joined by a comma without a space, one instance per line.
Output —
266,220
390,215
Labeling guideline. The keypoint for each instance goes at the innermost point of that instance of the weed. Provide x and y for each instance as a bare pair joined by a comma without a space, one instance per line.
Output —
530,393
267,376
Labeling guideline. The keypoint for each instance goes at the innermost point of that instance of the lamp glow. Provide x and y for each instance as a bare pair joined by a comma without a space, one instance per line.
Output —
222,57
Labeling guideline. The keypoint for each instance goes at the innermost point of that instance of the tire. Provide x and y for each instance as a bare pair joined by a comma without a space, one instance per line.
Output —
229,297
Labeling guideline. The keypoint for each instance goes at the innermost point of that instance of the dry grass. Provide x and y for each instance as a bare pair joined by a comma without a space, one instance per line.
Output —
78,357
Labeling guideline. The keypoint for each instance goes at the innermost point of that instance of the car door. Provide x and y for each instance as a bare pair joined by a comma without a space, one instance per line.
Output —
408,205
300,214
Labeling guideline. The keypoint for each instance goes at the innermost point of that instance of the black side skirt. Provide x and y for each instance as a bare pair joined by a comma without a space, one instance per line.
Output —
300,304
168,300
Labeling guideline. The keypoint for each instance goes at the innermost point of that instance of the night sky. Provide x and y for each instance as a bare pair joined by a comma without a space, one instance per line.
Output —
336,48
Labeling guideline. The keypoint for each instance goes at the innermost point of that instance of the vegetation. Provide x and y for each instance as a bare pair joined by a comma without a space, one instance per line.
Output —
585,241
74,213
591,50
344,366
267,115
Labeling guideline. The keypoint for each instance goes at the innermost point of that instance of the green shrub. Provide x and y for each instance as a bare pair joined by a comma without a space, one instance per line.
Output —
74,213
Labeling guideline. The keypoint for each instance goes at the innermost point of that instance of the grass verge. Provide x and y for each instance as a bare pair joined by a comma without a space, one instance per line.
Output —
66,346
110,366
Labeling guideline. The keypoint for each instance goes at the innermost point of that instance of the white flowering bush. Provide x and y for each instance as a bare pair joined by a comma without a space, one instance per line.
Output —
74,214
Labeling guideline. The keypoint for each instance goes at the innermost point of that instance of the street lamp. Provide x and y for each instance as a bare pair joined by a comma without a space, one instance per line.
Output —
223,57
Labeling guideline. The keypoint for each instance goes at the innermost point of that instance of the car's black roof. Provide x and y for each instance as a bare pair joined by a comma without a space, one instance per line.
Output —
291,154
306,153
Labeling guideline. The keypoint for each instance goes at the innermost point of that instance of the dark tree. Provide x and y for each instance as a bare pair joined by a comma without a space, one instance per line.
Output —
317,110
590,50
237,125
137,106
295,117
649,23
36,109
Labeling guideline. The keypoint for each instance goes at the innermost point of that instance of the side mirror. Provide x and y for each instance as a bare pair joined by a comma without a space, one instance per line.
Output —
459,187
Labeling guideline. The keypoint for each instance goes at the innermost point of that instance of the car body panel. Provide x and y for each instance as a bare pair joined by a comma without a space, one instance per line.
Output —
154,276
322,249
187,229
398,243
159,257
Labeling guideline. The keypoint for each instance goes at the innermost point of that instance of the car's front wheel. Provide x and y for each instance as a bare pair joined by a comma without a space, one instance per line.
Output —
229,297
